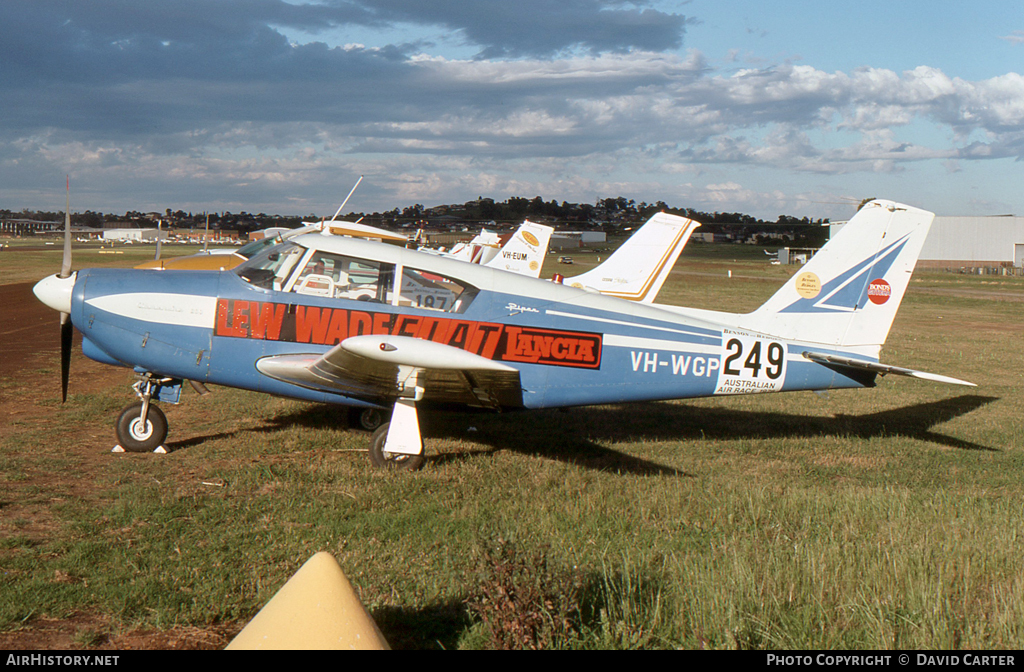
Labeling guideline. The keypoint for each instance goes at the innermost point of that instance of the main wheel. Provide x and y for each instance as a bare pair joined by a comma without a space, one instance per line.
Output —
136,436
367,418
385,460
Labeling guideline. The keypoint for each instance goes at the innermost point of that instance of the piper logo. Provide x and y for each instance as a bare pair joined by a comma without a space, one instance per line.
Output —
879,291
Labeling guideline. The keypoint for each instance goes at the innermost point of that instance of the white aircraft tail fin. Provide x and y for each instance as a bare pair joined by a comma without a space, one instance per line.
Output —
524,252
637,270
848,293
481,250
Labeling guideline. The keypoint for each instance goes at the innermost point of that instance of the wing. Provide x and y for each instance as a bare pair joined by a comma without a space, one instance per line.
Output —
382,368
876,367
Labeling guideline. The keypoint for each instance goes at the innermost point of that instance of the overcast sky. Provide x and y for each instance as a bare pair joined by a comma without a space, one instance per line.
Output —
795,107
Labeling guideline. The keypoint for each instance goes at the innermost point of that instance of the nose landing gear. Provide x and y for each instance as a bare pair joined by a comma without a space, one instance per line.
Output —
142,426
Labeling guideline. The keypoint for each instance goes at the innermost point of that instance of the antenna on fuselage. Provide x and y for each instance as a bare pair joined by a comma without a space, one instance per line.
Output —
346,199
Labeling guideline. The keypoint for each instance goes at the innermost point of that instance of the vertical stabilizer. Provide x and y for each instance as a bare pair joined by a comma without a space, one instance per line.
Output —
524,252
482,249
849,292
637,270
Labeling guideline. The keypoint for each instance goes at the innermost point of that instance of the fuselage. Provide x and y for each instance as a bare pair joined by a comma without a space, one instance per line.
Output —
571,347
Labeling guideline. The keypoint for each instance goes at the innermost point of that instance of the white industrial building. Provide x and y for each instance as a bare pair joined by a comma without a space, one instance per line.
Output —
970,242
974,242
135,235
561,240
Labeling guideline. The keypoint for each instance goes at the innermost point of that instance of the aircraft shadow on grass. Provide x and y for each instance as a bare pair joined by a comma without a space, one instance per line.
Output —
575,436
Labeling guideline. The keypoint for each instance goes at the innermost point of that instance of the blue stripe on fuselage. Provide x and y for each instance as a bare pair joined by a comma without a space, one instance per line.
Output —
637,367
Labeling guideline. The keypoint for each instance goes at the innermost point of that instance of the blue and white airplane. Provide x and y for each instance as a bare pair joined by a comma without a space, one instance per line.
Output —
377,327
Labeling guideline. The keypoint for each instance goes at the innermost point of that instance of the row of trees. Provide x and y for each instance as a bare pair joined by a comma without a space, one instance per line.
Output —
610,214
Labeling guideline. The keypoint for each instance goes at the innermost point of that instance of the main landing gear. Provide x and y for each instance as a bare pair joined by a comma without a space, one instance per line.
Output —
369,419
398,444
142,426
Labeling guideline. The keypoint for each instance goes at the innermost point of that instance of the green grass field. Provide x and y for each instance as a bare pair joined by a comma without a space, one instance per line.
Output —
866,519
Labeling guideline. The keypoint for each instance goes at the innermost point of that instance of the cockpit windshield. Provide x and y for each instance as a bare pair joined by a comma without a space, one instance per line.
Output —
270,268
291,267
250,250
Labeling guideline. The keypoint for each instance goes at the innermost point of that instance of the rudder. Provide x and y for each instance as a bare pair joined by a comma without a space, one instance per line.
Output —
848,293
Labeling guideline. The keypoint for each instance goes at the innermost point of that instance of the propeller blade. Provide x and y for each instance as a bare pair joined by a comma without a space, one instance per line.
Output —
65,268
67,331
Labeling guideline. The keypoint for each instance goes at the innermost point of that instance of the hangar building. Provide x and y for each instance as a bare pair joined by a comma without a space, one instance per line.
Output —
970,242
974,242
141,235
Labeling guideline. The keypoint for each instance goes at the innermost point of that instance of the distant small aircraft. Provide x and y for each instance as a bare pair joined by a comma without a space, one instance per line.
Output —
522,253
395,330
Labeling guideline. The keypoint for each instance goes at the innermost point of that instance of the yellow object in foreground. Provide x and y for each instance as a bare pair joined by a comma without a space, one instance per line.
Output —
316,609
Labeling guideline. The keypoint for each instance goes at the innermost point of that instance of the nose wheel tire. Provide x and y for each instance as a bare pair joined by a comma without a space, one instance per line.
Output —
385,460
136,436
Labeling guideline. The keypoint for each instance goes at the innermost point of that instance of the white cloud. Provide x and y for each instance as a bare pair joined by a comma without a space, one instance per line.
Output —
1016,37
236,111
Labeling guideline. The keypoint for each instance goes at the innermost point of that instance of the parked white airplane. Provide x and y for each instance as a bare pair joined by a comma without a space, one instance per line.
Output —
523,253
395,329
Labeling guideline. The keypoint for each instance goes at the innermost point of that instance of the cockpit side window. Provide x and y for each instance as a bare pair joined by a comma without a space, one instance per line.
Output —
342,277
270,268
429,291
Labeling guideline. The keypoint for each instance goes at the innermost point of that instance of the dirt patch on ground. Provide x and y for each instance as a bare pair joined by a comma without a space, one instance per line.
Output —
29,332
86,632
29,394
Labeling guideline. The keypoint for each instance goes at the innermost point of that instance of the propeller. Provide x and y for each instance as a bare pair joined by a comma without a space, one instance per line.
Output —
55,291
67,330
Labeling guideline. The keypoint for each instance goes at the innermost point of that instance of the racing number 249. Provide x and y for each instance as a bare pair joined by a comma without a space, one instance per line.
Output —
774,353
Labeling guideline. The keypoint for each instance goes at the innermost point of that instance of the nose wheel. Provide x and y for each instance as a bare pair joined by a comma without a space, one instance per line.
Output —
141,427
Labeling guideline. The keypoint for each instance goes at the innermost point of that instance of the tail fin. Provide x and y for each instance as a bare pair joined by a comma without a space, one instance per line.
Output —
849,292
524,252
481,250
638,269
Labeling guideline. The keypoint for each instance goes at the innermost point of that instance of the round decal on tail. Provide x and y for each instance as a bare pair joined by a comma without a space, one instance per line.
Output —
808,285
879,291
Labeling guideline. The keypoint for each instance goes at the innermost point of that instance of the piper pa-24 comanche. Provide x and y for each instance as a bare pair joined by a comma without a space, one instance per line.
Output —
376,327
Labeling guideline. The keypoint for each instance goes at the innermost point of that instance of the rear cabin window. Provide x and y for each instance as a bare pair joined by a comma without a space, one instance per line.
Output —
341,277
429,291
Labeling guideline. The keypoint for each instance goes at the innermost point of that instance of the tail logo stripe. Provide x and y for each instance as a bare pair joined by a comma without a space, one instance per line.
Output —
849,290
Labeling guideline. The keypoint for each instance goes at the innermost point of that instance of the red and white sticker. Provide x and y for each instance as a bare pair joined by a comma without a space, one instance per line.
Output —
879,291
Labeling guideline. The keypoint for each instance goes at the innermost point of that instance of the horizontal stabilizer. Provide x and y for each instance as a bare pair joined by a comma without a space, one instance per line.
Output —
882,369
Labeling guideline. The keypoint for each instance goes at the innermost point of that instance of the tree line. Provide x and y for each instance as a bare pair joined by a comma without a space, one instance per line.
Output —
610,214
